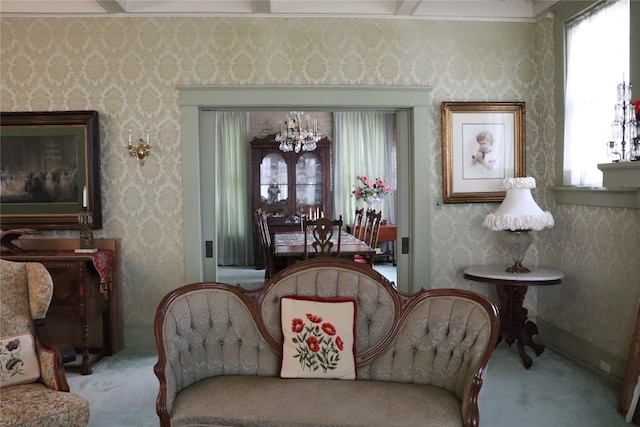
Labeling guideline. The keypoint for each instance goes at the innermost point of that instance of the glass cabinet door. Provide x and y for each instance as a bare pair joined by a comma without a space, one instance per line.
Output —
309,181
274,185
288,184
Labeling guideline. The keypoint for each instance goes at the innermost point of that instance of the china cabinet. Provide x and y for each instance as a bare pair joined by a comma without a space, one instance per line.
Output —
287,185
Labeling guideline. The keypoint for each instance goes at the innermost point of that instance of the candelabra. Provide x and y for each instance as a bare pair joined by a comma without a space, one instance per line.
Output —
141,151
85,219
625,127
294,135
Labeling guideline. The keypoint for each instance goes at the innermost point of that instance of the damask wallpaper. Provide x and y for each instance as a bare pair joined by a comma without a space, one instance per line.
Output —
128,69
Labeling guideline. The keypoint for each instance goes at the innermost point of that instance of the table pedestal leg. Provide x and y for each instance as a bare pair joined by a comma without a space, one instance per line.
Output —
514,326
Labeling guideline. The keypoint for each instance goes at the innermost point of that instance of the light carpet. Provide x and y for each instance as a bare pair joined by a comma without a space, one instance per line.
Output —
555,392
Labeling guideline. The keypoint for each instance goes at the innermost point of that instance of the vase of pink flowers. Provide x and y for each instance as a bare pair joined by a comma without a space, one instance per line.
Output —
370,190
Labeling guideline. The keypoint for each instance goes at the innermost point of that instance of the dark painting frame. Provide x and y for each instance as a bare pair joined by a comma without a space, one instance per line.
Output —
47,159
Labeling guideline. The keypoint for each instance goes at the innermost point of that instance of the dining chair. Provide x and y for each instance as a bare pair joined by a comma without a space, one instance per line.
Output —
263,240
271,265
322,230
372,229
359,224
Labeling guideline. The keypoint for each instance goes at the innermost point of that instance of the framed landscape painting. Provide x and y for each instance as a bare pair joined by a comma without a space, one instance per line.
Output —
49,169
482,144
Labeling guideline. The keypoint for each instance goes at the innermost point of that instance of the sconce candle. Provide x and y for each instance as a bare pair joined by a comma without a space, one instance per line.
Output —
141,151
84,197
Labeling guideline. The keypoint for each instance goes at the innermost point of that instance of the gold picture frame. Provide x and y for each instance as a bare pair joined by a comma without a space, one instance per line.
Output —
482,144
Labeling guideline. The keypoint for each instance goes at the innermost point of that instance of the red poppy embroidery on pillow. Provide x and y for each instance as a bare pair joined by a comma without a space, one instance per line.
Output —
318,347
314,318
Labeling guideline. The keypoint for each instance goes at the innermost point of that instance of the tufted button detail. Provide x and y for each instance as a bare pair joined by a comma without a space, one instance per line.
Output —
239,341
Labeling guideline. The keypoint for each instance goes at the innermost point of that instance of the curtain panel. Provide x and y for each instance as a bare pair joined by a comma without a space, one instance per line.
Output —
364,144
597,61
233,198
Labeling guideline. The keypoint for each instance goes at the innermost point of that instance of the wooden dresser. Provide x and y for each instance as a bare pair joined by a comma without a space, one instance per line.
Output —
388,234
86,309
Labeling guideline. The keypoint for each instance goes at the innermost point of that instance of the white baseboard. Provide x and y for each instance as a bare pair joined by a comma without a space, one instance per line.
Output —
580,351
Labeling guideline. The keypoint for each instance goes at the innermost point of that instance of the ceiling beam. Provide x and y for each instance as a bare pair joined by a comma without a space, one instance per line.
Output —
112,6
406,7
261,6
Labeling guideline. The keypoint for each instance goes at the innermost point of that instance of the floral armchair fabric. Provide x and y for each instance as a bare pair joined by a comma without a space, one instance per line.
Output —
26,290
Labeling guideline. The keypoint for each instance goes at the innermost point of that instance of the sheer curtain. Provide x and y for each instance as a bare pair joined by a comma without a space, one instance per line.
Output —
364,144
597,60
233,200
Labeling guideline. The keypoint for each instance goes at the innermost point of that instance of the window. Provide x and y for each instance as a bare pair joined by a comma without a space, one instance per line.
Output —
597,60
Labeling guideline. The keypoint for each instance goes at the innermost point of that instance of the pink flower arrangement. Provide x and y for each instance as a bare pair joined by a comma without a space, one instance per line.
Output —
367,187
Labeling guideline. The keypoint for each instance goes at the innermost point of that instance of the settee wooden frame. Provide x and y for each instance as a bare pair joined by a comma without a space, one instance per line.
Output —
403,305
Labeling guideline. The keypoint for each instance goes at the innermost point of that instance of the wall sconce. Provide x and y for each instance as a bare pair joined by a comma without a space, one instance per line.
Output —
141,151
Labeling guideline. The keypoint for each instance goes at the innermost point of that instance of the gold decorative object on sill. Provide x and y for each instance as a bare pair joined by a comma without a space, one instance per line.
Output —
141,151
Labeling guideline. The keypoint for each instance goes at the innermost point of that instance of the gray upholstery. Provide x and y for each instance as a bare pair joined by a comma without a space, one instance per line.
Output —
210,333
420,358
276,402
375,307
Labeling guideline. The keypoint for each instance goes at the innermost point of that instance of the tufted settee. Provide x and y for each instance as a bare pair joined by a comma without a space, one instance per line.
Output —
25,294
419,359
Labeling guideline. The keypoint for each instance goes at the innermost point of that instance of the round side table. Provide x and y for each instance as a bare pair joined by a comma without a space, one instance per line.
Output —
512,287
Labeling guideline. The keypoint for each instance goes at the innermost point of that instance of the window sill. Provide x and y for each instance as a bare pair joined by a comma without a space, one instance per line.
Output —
614,197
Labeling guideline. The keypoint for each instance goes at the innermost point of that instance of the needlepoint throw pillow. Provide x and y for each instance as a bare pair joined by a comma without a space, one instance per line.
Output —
318,337
18,360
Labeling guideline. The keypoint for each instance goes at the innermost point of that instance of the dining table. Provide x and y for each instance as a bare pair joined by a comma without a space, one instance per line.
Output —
291,244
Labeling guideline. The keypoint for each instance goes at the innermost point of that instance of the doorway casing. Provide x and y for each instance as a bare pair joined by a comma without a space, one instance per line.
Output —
413,107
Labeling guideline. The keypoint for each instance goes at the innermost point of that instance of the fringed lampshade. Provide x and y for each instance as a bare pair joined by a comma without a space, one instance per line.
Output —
516,217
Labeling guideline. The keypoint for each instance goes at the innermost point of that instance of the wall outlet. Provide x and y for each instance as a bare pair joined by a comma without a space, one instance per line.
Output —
605,366
437,203
405,245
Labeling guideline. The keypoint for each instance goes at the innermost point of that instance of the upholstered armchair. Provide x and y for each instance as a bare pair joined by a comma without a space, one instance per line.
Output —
34,389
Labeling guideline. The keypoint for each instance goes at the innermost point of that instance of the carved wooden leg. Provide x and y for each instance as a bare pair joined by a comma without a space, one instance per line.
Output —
531,329
514,326
512,314
85,367
526,360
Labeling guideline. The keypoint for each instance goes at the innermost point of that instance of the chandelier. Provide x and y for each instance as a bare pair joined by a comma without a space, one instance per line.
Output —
298,132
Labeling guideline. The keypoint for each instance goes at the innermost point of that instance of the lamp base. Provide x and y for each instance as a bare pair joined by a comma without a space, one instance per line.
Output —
517,267
517,242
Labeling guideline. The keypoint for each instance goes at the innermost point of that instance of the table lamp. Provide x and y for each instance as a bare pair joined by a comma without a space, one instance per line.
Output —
516,217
